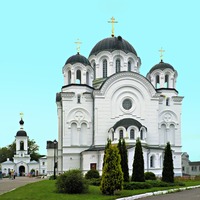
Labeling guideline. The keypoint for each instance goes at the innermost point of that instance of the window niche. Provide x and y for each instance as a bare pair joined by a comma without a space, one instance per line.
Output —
129,66
121,134
118,64
78,98
104,68
132,134
22,145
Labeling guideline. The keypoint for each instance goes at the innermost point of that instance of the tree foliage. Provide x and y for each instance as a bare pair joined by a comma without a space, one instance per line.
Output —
124,159
93,173
112,176
10,150
138,163
72,182
168,168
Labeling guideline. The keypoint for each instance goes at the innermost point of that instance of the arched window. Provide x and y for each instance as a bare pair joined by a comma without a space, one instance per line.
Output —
152,161
104,68
129,66
78,98
142,135
78,76
118,65
167,101
166,81
94,66
21,145
132,134
87,78
69,77
157,81
121,134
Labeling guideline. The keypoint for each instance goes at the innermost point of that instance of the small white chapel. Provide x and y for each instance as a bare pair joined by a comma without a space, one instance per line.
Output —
22,164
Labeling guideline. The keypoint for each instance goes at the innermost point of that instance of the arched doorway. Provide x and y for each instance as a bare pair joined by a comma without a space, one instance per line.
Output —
21,170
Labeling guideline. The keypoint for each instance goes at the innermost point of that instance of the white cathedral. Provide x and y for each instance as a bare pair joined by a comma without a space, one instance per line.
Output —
105,96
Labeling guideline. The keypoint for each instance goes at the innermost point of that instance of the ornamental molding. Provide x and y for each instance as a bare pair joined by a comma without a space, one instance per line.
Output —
134,76
177,98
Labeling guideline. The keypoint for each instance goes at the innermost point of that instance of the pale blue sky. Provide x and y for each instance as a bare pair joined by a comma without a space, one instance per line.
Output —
37,37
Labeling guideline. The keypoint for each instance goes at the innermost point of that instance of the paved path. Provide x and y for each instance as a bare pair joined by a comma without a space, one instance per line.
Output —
7,184
193,194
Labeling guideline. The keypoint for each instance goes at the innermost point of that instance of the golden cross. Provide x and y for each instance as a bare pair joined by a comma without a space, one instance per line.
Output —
113,21
21,114
161,53
78,45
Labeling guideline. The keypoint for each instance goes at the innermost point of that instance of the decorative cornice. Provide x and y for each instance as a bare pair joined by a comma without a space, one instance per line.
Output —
177,98
149,87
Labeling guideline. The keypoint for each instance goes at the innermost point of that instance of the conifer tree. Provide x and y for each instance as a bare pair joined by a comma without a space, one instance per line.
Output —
112,175
138,163
124,159
106,147
168,168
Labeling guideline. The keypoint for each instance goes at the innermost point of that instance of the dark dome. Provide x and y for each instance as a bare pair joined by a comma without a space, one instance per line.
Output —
161,66
77,59
21,133
111,44
128,122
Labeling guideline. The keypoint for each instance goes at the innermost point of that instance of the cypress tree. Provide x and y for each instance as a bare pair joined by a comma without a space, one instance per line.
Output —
124,159
168,168
138,163
106,147
112,176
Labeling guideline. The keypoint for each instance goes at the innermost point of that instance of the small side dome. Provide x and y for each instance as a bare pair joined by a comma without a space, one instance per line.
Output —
21,133
163,75
162,66
111,44
78,59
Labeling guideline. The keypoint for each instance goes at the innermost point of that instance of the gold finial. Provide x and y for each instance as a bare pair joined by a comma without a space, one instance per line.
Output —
161,53
78,45
21,115
113,21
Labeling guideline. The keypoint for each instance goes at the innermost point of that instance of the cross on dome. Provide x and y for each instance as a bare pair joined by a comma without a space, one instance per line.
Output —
113,22
78,44
161,53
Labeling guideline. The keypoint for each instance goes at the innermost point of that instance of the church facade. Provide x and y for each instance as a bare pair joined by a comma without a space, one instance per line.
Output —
105,96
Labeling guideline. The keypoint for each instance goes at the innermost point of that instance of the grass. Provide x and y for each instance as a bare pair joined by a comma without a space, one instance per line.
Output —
46,190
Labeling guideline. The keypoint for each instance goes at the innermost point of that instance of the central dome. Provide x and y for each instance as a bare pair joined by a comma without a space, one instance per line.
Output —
111,44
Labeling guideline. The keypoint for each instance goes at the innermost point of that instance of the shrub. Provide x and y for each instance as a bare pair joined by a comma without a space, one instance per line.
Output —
95,181
149,176
72,182
52,177
93,173
158,183
136,185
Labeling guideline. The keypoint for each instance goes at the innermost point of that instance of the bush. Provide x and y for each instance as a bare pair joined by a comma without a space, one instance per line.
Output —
149,176
52,177
93,173
95,181
158,183
72,182
136,185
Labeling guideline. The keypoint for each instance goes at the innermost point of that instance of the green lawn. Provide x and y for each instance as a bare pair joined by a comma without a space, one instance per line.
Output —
46,190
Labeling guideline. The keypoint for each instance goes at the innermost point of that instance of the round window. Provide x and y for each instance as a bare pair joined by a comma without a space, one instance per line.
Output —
127,104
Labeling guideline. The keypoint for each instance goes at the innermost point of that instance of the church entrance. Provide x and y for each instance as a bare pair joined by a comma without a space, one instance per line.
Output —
21,171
